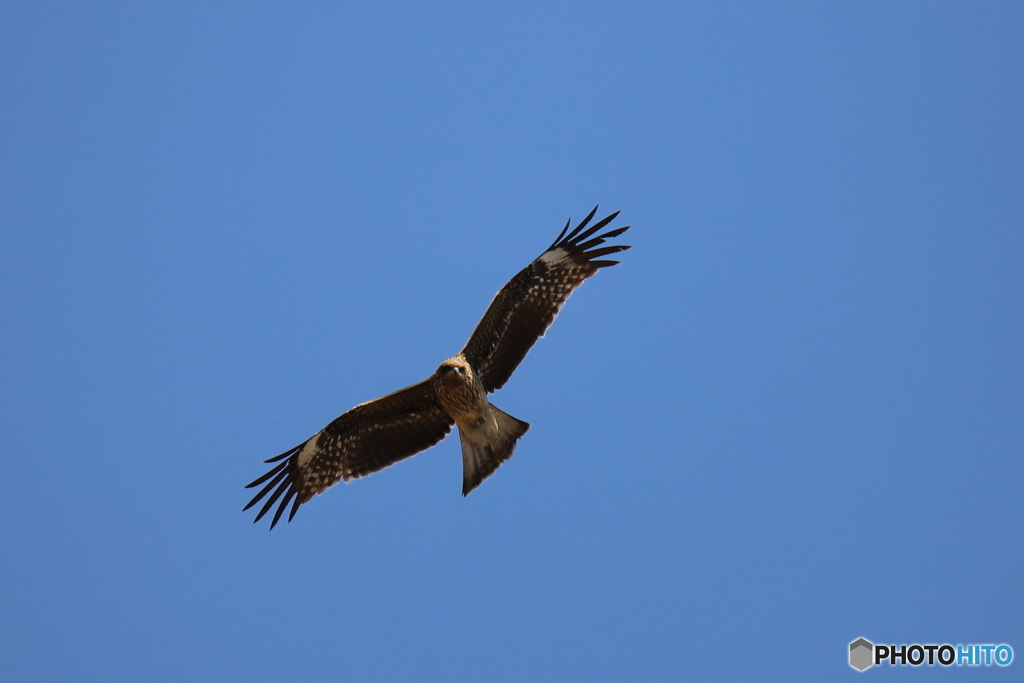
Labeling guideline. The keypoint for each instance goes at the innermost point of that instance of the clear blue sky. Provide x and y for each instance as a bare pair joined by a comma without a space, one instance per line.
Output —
792,417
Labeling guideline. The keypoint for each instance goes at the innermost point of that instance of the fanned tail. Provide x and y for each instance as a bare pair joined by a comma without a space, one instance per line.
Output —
479,461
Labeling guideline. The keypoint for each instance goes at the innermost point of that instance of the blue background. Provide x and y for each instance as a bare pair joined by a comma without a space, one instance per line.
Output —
792,417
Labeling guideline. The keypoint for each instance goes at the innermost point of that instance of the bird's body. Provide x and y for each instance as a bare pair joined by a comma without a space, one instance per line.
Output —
381,432
461,393
487,433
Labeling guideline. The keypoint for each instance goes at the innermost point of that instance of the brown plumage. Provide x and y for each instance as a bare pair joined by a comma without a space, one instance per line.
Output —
379,433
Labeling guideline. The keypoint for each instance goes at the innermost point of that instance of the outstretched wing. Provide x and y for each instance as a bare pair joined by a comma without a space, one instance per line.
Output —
367,438
527,305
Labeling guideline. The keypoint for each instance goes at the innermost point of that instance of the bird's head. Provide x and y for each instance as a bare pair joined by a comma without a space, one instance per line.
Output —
454,368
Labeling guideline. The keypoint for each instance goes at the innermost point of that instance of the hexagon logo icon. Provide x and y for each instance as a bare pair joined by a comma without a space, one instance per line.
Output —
862,654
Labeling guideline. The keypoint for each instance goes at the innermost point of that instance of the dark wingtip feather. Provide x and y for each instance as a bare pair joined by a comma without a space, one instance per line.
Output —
295,506
266,476
253,502
589,216
286,453
282,473
282,482
274,482
575,240
614,233
282,506
270,501
561,234
604,251
583,224
603,222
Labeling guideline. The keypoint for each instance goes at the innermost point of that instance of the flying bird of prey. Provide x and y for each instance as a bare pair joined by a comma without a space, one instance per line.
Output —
379,433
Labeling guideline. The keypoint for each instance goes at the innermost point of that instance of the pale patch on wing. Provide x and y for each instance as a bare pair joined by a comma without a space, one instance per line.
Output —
309,449
553,256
